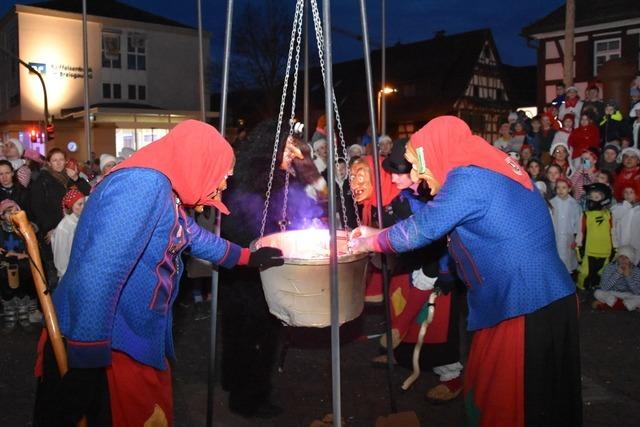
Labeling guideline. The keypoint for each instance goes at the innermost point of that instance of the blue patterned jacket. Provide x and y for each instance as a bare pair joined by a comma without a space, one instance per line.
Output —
501,238
125,268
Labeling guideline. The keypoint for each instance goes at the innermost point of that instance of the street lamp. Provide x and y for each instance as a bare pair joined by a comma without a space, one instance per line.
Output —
37,73
382,92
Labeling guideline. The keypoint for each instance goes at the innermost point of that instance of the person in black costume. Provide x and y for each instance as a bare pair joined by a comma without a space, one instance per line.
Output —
250,334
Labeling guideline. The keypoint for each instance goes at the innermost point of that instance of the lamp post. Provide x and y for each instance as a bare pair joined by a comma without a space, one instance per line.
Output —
37,73
382,92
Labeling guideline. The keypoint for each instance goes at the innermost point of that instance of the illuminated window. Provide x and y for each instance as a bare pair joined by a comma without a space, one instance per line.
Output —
136,52
605,50
111,57
137,138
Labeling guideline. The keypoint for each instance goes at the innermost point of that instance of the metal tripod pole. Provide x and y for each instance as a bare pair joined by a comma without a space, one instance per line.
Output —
215,275
333,265
376,168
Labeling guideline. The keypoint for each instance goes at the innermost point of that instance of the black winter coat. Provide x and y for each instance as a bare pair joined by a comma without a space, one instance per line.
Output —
46,199
18,194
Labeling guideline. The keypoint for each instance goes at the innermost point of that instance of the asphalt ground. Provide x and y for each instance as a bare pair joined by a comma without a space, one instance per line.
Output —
610,347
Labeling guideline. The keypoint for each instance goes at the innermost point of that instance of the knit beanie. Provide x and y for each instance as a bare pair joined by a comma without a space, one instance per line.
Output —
105,159
631,151
72,196
559,144
6,204
30,154
627,251
611,146
18,145
318,143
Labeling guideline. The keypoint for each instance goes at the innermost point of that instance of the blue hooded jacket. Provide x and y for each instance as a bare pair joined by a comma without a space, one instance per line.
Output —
119,288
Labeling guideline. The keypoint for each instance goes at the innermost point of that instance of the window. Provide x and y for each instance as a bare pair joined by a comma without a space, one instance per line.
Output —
106,90
405,130
111,90
605,50
111,57
137,138
136,53
117,91
137,92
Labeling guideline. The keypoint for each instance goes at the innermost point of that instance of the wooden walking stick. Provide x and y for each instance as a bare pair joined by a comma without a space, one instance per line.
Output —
418,347
24,228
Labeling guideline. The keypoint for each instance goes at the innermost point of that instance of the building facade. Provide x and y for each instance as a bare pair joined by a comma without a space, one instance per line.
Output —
143,75
458,74
604,31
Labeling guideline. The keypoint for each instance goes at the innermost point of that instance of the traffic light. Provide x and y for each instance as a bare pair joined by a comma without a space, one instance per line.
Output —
51,132
34,136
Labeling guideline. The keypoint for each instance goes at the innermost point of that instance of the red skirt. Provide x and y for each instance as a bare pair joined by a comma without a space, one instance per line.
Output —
526,370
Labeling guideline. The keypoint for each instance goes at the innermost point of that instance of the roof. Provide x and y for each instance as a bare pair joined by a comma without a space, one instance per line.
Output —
108,9
521,84
588,12
441,69
438,69
121,105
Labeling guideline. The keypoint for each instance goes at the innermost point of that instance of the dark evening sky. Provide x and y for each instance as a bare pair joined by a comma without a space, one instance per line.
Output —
407,20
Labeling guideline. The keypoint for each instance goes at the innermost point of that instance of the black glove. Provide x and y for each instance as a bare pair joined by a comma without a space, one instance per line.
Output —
79,393
266,257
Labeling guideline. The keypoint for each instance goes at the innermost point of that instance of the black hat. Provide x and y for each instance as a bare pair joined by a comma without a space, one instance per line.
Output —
395,161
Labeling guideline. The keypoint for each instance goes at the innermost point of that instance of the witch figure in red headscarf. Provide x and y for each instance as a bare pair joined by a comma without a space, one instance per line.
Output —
414,277
114,302
524,361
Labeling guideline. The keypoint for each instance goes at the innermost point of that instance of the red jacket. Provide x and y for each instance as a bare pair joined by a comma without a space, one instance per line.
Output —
626,178
582,138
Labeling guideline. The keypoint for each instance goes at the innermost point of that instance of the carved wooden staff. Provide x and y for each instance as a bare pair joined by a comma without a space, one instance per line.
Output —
24,228
418,347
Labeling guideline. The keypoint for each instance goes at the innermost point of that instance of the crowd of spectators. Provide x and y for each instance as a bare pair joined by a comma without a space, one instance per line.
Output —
584,157
52,191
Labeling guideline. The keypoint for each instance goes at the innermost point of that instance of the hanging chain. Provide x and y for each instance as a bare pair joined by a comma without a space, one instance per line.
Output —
284,221
317,23
298,12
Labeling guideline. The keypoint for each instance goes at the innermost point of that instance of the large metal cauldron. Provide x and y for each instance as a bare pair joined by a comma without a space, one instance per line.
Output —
298,293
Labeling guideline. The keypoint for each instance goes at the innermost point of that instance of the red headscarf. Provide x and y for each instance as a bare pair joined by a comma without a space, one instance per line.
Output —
193,156
389,190
448,143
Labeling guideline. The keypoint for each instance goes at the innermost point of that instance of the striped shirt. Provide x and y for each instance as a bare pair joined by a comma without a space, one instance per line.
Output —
613,280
